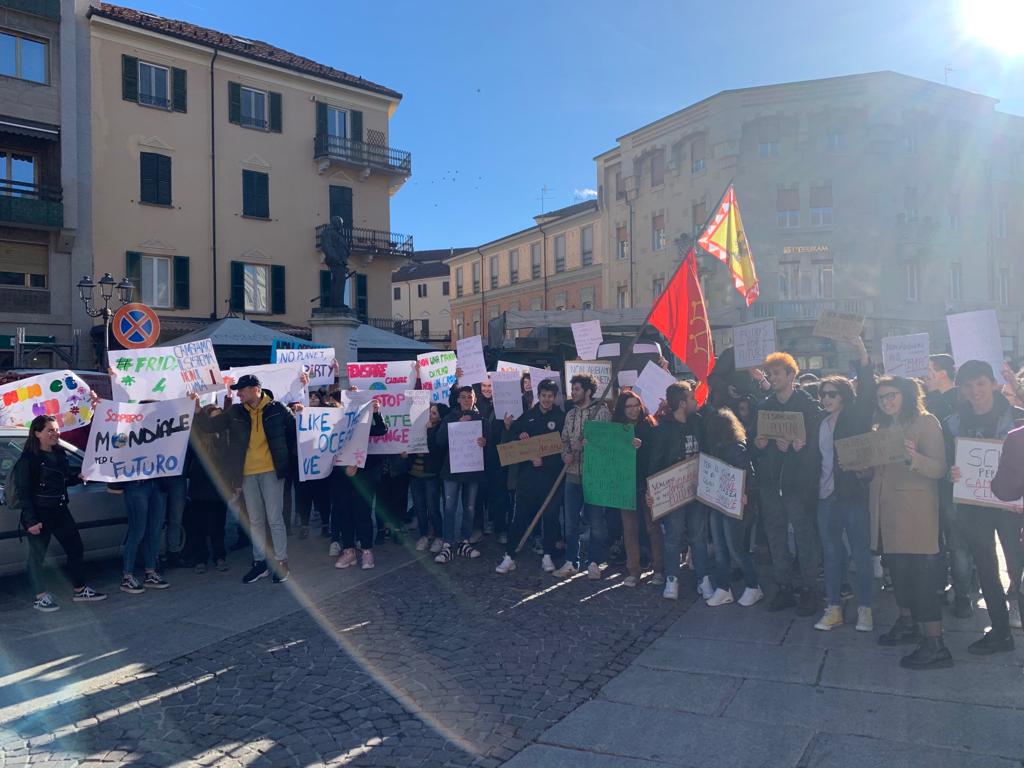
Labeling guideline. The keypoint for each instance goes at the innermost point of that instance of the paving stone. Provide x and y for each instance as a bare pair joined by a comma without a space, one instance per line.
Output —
665,689
542,756
726,657
838,751
733,622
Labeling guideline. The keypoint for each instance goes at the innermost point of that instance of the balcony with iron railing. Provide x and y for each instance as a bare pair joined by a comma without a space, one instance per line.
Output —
30,205
411,329
362,155
374,241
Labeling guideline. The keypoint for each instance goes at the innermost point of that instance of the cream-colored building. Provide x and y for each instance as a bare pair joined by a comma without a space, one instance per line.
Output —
421,293
215,161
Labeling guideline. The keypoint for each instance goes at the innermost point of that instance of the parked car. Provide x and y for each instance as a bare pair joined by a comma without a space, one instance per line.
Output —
98,511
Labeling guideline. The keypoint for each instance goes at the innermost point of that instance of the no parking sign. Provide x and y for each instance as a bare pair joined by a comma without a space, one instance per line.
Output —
136,326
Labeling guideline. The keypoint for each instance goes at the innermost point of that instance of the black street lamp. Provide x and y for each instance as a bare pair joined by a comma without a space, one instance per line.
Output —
107,286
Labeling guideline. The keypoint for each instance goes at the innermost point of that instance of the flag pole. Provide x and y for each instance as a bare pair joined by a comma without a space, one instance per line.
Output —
615,370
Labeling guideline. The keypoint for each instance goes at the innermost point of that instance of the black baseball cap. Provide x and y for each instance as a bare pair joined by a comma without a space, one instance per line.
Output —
248,380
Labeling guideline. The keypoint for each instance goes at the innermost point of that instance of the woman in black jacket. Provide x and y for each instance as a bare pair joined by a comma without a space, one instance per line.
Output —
425,483
40,479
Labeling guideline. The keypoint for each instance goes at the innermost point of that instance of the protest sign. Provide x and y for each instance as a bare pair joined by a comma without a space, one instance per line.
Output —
537,375
198,367
470,354
135,441
464,454
609,465
599,369
840,326
753,342
673,487
284,381
537,447
58,393
503,366
628,378
277,344
720,486
978,460
324,433
781,425
587,336
976,336
437,374
387,383
872,449
419,417
608,350
318,363
646,349
651,385
507,394
906,356
358,409
144,374
721,338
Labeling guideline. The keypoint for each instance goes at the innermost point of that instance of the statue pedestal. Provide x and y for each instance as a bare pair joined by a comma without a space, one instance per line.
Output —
337,329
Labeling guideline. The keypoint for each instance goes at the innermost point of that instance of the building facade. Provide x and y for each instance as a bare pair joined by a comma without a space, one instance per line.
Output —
43,119
555,264
879,194
218,160
421,295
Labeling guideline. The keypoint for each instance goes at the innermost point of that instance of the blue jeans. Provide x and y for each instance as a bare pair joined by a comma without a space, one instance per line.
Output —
730,535
146,505
597,517
691,521
836,515
426,502
174,489
456,519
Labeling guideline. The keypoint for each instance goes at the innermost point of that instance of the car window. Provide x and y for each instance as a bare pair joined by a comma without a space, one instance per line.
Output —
10,451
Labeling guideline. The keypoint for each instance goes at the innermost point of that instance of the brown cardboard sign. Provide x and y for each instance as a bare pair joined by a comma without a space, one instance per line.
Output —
532,448
673,487
781,425
841,326
872,449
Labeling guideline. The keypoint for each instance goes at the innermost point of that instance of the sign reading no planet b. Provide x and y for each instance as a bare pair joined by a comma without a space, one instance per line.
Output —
58,393
145,374
132,441
197,364
318,363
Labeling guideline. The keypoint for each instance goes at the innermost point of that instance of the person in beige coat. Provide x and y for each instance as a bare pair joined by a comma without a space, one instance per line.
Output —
904,500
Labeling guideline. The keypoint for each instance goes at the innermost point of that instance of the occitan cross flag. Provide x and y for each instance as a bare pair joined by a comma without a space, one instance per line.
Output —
725,239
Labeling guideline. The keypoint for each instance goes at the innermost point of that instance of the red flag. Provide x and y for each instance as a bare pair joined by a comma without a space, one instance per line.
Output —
682,318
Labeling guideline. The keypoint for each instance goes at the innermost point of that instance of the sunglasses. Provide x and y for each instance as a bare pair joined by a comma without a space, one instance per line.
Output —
829,393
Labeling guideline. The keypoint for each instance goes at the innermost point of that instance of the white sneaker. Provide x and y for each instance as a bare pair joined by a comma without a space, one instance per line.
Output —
751,597
567,570
876,565
547,564
334,550
705,589
422,543
865,623
720,597
671,591
507,565
630,581
436,545
594,572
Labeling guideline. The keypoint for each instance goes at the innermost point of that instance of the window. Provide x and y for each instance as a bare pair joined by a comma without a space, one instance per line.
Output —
789,281
697,153
421,291
459,327
336,123
154,178
955,282
257,288
561,301
910,203
535,261
23,265
622,249
587,246
254,108
476,323
536,303
658,232
397,293
22,57
787,207
698,217
155,281
825,275
768,149
1001,221
835,140
587,297
153,85
621,297
559,253
476,277
1003,286
458,282
261,110
513,266
821,206
954,213
620,190
658,168
255,194
657,287
911,282
494,272
17,173
446,288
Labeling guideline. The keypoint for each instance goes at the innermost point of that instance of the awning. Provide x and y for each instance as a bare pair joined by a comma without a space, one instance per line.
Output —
29,128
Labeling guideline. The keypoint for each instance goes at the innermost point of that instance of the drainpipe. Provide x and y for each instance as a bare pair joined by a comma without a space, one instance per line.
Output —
213,184
544,261
483,297
629,202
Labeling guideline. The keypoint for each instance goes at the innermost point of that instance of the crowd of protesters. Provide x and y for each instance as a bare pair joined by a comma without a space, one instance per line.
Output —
817,522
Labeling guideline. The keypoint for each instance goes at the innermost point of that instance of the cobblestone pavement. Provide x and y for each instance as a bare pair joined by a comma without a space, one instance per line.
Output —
428,665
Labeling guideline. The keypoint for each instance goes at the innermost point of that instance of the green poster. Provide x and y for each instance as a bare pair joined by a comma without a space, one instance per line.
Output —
609,465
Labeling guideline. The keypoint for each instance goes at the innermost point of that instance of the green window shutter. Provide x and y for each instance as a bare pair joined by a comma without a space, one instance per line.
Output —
255,194
181,288
148,175
356,124
263,195
277,305
129,78
179,90
362,303
236,302
321,119
163,179
133,271
248,193
235,103
325,286
341,203
275,112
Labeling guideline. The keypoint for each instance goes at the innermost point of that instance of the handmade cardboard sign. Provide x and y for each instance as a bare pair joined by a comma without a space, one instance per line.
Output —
978,461
144,374
132,441
507,394
781,425
198,367
651,385
599,369
674,487
387,383
906,356
437,374
720,486
58,393
753,342
537,447
872,449
840,326
324,433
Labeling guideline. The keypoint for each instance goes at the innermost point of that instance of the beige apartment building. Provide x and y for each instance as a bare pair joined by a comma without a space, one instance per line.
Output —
555,264
421,294
880,194
216,162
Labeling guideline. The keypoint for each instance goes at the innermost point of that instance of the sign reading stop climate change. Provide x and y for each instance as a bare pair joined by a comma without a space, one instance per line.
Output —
135,441
387,383
59,393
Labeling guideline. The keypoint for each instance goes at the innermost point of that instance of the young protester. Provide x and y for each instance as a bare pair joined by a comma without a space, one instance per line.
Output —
536,478
843,495
1008,482
39,490
787,477
985,413
678,437
425,483
459,486
904,500
582,390
208,488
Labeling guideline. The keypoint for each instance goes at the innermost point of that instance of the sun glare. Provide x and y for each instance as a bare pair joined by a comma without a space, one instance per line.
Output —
997,24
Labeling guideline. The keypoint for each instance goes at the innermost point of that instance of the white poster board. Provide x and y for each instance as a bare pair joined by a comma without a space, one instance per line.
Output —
978,460
470,353
720,486
609,350
646,348
464,454
358,409
537,375
628,378
651,385
318,363
753,342
323,433
437,374
145,374
507,394
419,416
503,366
198,367
599,369
132,441
588,338
673,487
58,393
284,381
906,356
976,336
387,383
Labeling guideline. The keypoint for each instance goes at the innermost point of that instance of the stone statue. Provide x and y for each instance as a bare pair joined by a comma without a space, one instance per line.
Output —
335,244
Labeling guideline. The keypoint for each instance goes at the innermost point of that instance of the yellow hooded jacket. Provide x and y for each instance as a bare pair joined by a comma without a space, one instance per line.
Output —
257,457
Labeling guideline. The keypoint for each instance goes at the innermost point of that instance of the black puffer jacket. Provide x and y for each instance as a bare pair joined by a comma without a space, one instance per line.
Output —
41,485
278,423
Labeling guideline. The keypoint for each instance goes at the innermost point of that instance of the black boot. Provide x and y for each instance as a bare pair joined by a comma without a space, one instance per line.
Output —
903,632
992,642
931,654
809,603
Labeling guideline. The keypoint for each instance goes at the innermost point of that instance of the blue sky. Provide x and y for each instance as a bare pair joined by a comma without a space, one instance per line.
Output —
503,99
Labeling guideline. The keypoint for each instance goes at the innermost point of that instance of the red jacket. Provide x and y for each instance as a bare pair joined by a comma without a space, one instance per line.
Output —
1008,484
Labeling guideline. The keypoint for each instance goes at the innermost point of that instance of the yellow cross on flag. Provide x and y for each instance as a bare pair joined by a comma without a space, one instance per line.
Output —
725,239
